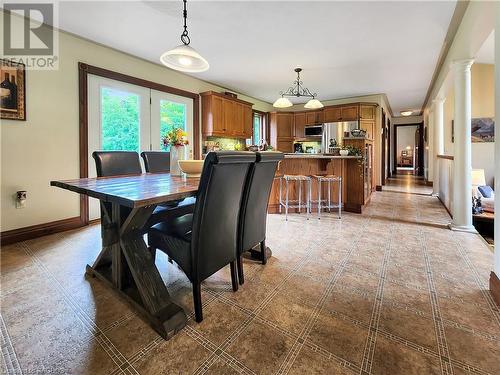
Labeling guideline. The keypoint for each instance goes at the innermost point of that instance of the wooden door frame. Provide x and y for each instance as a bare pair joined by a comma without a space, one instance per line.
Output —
389,138
420,171
383,149
83,71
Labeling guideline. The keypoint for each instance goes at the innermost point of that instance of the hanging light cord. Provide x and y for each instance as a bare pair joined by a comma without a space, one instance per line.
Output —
184,36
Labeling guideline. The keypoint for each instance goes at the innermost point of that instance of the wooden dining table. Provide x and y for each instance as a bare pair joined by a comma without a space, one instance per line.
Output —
125,262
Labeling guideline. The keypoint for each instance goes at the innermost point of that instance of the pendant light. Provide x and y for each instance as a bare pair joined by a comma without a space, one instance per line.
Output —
183,57
297,91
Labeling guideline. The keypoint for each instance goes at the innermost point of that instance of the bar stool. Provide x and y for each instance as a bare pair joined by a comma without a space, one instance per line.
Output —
286,204
329,179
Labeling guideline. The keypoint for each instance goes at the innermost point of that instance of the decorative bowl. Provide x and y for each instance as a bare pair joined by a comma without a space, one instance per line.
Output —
344,152
192,168
358,132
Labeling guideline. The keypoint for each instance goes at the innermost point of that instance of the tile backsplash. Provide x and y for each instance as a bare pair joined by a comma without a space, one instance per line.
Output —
225,143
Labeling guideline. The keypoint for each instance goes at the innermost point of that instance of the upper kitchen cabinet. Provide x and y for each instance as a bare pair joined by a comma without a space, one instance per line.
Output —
300,124
367,111
224,116
314,117
332,114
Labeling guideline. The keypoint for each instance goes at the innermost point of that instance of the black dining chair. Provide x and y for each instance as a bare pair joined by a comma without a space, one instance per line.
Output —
206,241
121,163
159,162
253,211
116,163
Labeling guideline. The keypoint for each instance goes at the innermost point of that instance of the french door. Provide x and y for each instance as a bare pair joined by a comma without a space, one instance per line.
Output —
127,117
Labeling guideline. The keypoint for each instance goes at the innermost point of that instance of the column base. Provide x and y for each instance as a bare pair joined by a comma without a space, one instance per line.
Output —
462,228
495,287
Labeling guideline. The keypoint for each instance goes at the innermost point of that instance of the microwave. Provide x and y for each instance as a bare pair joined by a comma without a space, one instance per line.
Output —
313,131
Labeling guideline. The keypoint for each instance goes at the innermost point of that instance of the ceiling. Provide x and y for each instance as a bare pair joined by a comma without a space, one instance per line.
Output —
345,48
486,54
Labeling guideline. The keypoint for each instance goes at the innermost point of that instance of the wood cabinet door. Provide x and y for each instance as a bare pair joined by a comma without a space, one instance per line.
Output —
319,117
217,115
247,122
229,110
367,112
284,146
284,125
238,126
368,126
349,113
310,118
300,123
332,114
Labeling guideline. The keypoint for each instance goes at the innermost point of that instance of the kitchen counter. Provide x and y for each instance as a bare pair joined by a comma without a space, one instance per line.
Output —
350,168
318,156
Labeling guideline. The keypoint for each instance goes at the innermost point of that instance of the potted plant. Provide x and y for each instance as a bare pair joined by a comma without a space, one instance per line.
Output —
344,151
176,139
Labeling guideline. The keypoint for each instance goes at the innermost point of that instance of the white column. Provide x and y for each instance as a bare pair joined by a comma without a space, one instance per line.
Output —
462,165
438,121
430,146
496,267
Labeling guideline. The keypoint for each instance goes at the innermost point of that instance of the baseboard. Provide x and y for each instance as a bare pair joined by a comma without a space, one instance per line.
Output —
39,230
378,187
495,287
446,208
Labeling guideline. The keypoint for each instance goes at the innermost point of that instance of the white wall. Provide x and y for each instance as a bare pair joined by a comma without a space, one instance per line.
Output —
45,147
483,105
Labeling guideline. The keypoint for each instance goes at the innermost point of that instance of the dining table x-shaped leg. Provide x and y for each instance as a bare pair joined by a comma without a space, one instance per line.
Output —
126,264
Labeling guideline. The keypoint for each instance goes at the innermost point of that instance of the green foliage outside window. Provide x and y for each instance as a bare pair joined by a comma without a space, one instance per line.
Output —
172,115
120,120
256,129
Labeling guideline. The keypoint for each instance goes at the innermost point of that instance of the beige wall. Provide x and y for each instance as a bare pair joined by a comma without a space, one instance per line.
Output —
483,105
45,147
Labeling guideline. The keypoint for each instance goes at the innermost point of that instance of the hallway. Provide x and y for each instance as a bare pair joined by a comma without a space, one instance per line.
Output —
391,291
407,183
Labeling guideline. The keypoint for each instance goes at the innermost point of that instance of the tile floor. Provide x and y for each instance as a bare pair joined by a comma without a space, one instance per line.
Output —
391,291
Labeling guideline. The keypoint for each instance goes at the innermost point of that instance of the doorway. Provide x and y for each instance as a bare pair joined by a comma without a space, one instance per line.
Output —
408,149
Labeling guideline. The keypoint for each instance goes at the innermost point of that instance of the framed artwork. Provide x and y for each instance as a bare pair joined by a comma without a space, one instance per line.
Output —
482,130
12,90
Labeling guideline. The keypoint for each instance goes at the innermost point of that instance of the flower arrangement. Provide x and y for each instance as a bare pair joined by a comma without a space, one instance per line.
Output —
176,137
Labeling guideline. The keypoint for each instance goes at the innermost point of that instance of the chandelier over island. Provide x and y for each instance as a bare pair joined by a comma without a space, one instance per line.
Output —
297,91
183,57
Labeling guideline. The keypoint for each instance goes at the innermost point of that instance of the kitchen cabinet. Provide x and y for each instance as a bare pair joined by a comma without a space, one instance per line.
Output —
368,126
300,124
367,112
349,113
332,114
314,117
224,116
282,130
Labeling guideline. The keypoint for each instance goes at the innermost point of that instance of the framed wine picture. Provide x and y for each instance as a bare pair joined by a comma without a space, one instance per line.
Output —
12,90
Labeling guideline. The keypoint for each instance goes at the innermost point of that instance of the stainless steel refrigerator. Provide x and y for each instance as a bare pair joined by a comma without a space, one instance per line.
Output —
335,131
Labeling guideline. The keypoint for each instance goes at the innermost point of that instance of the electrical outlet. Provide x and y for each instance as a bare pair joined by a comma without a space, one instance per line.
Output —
21,196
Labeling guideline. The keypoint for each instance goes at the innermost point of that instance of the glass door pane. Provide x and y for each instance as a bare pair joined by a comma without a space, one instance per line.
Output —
118,119
168,112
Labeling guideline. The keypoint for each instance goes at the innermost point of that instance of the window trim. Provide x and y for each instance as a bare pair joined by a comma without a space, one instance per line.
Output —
264,130
83,71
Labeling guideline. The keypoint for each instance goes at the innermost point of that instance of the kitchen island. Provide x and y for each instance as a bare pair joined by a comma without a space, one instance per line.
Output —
355,188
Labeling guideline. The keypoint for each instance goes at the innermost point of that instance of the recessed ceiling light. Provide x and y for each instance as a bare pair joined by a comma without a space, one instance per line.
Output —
406,113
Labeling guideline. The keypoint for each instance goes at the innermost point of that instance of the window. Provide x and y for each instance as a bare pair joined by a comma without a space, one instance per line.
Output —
172,115
120,121
259,127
